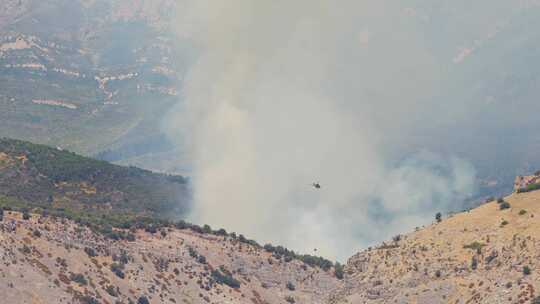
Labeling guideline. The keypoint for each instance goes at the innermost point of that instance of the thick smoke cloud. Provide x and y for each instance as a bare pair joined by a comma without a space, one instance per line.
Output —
285,93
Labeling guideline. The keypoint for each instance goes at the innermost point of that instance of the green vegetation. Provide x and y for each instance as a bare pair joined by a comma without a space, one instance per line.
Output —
438,217
143,300
529,188
526,270
290,286
51,179
78,278
504,205
222,276
290,299
522,211
504,223
338,271
147,200
118,269
474,246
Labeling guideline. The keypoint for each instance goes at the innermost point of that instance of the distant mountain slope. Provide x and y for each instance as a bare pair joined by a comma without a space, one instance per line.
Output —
487,255
101,70
52,179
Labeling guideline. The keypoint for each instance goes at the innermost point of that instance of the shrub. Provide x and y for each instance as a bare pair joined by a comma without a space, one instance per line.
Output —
201,259
225,278
26,215
112,291
438,273
290,299
1,214
474,263
526,270
90,252
88,300
118,270
504,205
504,223
36,233
143,300
290,286
438,217
522,211
474,245
500,200
78,278
338,271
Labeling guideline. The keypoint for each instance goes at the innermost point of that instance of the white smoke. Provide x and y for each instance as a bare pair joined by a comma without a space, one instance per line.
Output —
286,93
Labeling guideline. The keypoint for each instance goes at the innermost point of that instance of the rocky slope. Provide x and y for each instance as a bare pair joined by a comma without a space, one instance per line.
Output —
487,255
52,260
71,69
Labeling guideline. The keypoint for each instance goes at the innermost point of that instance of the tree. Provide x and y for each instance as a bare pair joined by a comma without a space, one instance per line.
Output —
438,217
143,300
504,205
338,271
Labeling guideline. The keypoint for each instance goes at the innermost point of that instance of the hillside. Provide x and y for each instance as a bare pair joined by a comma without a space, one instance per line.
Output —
66,263
37,176
101,70
486,255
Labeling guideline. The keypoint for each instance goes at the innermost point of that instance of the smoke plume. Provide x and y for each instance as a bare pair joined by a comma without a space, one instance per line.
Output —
282,94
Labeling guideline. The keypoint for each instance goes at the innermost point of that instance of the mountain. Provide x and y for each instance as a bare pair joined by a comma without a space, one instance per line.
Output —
101,70
486,255
55,180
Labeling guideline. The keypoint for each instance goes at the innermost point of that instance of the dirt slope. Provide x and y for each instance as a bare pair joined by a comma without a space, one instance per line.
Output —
486,255
46,260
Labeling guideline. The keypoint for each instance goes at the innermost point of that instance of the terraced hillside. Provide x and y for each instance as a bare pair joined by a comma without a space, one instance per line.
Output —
37,176
88,75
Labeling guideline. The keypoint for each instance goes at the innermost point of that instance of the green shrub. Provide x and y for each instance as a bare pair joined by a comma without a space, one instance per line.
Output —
225,278
474,245
522,212
143,300
88,300
290,286
338,271
90,252
438,217
78,278
26,215
112,291
118,269
526,270
504,205
290,299
504,223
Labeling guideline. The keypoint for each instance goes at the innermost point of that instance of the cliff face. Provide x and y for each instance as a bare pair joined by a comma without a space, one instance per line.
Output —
487,255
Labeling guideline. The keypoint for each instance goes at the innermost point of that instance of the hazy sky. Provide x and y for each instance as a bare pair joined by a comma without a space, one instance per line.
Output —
358,95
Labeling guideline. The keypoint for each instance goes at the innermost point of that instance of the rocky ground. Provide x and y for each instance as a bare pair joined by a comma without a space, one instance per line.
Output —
487,255
47,260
